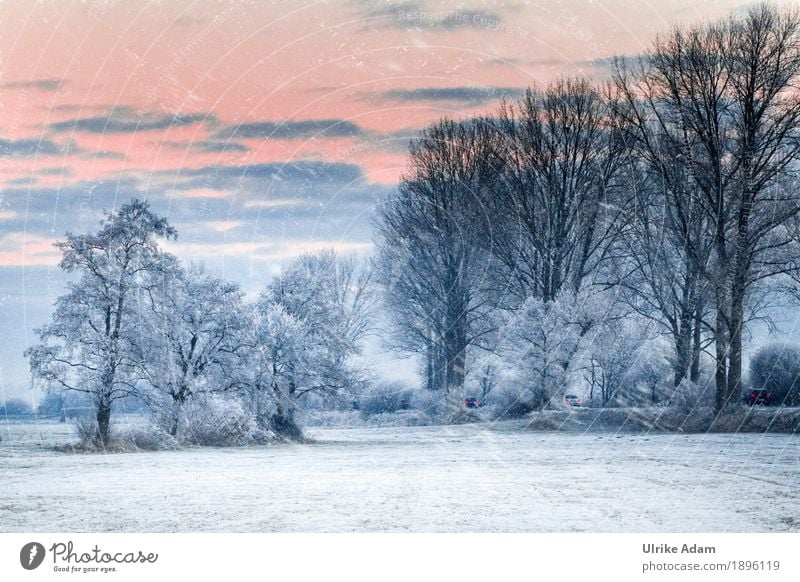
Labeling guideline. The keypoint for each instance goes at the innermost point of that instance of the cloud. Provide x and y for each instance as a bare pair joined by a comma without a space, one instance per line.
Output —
204,193
30,148
48,85
289,130
42,147
125,121
102,155
307,174
414,15
223,225
25,249
267,250
273,203
214,147
78,108
605,65
205,147
465,95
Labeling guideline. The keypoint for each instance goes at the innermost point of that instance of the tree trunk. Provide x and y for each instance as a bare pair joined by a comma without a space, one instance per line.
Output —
103,421
734,385
282,422
697,339
284,426
430,366
175,420
682,350
737,291
721,366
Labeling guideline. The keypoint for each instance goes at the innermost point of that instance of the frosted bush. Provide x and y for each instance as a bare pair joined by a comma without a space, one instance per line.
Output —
429,402
385,398
215,422
690,398
515,400
148,438
86,428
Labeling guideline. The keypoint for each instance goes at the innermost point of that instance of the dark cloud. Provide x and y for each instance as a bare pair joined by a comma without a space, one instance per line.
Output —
49,85
126,122
30,148
78,206
307,174
205,147
102,155
306,129
32,178
378,9
465,95
213,147
34,148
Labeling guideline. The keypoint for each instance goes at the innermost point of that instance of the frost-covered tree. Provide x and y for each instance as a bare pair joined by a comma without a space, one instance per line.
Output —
306,333
189,339
544,341
87,346
277,364
623,362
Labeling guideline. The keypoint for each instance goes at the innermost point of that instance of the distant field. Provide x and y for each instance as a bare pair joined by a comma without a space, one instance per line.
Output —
463,478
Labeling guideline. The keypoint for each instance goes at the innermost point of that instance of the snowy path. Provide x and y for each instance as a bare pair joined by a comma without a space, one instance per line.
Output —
464,478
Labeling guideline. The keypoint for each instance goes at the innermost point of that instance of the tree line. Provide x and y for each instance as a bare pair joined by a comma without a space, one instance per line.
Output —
666,195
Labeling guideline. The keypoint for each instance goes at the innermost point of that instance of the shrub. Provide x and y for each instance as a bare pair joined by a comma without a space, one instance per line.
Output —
215,422
689,398
511,401
756,419
429,402
776,367
385,398
86,428
147,438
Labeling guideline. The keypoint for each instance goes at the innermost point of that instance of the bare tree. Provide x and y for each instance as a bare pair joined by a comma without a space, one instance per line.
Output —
557,208
721,100
764,60
667,247
430,256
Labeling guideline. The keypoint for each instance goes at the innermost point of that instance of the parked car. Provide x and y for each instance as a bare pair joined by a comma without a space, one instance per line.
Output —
758,396
572,400
471,402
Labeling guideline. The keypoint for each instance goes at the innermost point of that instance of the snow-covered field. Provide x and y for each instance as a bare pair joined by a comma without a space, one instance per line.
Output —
465,478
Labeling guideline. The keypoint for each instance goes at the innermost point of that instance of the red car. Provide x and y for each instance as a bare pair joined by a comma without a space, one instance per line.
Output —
758,396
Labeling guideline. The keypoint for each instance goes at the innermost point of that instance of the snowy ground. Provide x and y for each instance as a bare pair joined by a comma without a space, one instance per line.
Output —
464,478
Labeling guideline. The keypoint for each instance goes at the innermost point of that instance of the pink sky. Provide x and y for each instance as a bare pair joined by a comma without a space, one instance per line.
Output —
275,61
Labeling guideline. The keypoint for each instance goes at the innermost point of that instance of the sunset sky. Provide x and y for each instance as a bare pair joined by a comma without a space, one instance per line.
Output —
261,129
